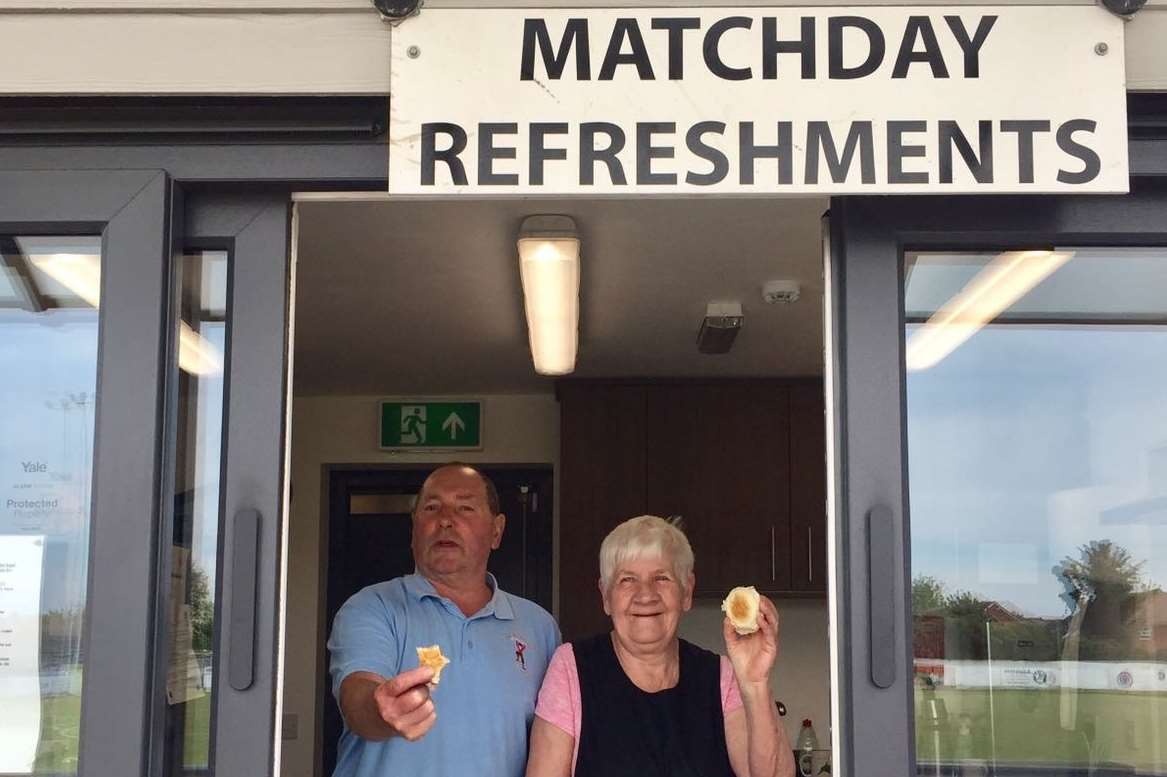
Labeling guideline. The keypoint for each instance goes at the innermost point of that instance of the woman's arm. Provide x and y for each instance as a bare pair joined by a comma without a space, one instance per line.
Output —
551,750
756,741
759,752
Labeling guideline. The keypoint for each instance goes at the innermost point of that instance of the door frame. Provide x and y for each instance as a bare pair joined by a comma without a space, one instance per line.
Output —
874,692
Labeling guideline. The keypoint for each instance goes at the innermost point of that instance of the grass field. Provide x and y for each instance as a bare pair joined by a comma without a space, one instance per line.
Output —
60,717
1026,726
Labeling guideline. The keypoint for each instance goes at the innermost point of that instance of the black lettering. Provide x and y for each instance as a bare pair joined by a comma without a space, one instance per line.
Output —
772,47
701,149
1025,131
488,152
750,152
575,33
876,46
676,28
859,136
1091,164
897,151
430,155
981,166
920,27
646,152
971,48
713,59
539,151
589,154
626,28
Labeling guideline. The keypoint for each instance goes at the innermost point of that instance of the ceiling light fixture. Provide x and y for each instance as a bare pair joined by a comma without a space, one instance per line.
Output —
549,269
1003,281
719,328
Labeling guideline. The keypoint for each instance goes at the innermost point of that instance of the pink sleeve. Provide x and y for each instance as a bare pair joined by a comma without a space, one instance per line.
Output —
731,695
559,698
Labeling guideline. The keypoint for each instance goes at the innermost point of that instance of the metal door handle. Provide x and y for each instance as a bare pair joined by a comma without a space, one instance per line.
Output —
241,628
881,595
773,571
809,555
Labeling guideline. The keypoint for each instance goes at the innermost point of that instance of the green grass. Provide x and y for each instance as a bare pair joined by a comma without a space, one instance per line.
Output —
1109,726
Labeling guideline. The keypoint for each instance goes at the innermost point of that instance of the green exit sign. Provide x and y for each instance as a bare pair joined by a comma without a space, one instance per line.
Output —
422,425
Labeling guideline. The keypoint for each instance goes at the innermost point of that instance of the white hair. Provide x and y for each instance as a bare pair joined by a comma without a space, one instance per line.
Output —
646,536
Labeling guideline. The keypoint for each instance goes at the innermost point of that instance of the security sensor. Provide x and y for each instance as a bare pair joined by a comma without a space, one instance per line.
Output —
774,292
396,10
722,322
1123,8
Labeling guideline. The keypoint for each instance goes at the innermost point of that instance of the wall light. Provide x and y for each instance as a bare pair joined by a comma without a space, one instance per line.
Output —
549,268
1003,281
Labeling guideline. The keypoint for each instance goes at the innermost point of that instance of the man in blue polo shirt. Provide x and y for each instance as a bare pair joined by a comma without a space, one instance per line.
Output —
476,720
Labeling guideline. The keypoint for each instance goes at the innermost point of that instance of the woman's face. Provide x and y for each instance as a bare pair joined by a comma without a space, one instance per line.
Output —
645,601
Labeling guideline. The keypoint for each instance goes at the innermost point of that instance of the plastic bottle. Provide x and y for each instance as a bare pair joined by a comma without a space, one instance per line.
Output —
806,744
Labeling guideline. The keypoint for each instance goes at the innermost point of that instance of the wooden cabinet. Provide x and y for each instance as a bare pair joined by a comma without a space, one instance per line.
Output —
741,461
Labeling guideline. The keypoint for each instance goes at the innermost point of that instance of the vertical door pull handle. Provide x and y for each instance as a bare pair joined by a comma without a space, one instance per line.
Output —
809,555
881,576
241,628
773,570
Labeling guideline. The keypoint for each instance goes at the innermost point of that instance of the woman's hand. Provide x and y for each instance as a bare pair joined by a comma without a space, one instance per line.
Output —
753,655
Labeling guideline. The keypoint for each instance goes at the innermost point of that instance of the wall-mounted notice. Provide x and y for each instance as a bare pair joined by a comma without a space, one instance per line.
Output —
21,564
758,101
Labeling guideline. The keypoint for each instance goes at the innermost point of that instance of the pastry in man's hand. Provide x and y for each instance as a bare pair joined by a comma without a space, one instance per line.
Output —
432,657
741,607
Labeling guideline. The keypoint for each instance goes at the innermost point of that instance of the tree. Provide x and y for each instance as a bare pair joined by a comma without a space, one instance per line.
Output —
1098,585
202,610
927,594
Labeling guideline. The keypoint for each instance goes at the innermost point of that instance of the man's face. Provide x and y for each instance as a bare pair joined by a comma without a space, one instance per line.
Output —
453,528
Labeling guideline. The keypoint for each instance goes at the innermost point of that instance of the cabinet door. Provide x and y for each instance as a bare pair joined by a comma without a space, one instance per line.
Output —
602,484
679,453
750,472
808,489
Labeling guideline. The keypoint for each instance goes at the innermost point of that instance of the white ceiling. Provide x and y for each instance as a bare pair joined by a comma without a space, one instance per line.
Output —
413,297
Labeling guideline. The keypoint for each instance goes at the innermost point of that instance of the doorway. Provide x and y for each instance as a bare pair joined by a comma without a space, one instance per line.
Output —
369,524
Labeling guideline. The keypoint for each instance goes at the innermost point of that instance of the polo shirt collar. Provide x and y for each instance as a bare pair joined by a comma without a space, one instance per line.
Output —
499,605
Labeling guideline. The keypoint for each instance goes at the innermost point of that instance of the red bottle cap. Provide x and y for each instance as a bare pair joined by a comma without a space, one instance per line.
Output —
806,721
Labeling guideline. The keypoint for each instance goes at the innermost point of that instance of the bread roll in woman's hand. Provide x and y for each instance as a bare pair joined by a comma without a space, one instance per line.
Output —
741,607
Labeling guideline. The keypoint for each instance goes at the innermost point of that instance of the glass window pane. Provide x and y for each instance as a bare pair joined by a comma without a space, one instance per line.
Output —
1037,460
202,345
49,297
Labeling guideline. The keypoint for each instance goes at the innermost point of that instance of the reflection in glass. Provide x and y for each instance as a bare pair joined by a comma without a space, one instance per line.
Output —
1037,459
202,339
49,296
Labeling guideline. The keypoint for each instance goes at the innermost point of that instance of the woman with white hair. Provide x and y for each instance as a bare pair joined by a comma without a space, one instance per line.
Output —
639,700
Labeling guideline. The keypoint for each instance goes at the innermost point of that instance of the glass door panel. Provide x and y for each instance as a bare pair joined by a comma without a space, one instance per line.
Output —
49,300
1037,484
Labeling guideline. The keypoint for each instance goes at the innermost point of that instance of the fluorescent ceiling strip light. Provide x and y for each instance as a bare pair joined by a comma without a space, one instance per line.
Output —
1003,281
549,269
81,274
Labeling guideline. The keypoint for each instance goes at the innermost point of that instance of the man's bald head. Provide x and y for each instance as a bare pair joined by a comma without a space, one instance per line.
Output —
492,501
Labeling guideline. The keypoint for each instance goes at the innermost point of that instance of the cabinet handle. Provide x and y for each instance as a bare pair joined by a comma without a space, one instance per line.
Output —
773,572
809,555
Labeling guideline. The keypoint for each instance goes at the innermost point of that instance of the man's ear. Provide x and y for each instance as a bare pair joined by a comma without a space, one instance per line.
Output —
500,524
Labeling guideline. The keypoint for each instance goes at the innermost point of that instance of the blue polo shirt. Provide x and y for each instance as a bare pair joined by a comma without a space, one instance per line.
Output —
486,699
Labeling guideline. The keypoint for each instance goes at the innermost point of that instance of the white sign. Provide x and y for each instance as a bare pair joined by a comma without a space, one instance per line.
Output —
758,101
21,564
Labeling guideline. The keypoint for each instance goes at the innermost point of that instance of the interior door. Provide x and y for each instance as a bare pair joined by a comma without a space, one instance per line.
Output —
999,367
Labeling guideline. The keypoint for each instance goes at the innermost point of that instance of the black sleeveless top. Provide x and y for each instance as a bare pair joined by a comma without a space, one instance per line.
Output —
626,732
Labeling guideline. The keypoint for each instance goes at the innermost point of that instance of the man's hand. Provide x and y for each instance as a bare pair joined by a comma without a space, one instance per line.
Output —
404,703
377,709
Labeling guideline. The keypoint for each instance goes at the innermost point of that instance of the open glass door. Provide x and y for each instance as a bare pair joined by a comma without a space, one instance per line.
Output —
1005,483
143,340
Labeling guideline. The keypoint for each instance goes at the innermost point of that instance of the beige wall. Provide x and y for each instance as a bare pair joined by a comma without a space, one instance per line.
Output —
803,676
341,430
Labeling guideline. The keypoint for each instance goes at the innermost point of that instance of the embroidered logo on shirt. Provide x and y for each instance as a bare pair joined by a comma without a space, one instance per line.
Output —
520,649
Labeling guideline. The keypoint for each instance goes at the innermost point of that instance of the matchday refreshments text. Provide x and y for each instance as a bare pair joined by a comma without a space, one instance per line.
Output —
882,100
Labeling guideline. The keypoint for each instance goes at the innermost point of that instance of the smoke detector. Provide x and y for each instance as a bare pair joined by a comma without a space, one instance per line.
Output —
774,292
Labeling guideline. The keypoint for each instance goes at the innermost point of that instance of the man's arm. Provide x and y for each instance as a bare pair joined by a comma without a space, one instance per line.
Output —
376,708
